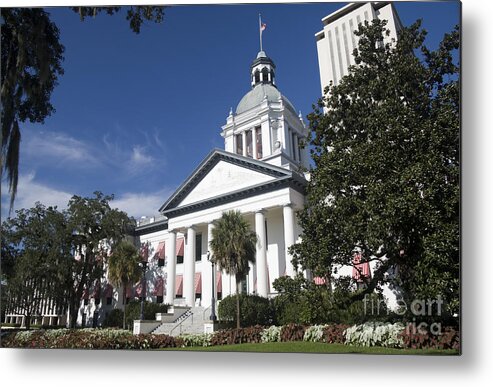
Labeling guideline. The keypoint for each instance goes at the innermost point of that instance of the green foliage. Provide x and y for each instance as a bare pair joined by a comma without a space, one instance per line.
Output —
233,247
113,319
150,310
30,66
254,310
38,257
197,340
302,302
386,167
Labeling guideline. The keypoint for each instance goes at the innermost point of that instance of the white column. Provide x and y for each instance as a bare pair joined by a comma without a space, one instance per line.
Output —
189,268
261,260
171,268
207,272
288,218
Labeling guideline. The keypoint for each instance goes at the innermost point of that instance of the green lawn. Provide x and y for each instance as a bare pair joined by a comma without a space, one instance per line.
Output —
308,347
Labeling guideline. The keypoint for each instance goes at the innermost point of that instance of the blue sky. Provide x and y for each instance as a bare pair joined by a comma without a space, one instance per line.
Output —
135,114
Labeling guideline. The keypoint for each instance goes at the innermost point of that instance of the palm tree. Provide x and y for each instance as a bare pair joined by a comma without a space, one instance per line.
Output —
233,247
123,269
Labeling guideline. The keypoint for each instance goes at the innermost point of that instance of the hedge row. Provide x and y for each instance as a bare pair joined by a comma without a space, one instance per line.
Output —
89,339
368,334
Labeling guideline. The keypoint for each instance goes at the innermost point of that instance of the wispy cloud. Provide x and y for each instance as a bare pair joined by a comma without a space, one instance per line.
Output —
140,158
29,192
137,204
46,146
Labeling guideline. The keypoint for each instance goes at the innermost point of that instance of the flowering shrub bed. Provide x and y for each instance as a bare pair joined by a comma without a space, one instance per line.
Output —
334,333
315,333
448,339
371,334
271,334
90,339
292,332
368,334
197,340
238,336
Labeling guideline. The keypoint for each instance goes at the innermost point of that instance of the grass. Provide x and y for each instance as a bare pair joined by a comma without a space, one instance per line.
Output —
309,347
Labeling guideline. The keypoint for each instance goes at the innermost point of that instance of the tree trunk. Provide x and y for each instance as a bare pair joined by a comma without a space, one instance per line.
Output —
73,314
27,321
237,305
124,305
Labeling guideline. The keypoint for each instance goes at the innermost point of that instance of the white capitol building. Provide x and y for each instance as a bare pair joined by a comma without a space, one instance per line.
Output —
259,173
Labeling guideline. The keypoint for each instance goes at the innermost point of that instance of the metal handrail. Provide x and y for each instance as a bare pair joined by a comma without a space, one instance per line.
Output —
181,322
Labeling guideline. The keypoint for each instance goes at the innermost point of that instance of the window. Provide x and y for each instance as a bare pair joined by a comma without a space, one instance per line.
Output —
265,75
179,259
249,148
258,141
293,145
160,262
198,247
300,143
239,144
159,299
109,300
257,76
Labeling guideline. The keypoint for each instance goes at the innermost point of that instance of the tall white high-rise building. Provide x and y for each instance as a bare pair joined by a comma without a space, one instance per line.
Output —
337,41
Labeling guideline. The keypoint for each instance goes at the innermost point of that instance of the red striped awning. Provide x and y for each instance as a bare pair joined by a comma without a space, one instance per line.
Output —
160,251
144,251
158,287
180,247
96,291
108,291
319,281
198,283
219,282
179,285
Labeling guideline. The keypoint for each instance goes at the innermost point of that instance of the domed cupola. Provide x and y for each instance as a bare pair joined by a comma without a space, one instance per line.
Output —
265,125
262,70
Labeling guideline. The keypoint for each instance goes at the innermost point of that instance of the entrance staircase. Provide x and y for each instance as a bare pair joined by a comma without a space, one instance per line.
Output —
186,320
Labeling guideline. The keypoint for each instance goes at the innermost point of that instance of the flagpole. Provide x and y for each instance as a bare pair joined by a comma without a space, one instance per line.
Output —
260,30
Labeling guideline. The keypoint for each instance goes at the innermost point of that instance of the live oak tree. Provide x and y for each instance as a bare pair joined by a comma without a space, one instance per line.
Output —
31,62
233,247
95,228
36,254
385,179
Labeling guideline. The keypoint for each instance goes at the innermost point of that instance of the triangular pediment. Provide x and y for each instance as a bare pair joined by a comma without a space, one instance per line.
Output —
222,173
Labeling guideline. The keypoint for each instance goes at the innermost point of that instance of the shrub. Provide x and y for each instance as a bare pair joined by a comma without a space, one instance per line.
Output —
374,333
90,339
292,332
334,333
314,333
271,334
254,310
197,340
448,339
150,310
238,336
114,319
